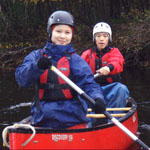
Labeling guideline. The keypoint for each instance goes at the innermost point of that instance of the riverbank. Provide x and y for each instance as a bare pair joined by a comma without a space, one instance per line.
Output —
131,35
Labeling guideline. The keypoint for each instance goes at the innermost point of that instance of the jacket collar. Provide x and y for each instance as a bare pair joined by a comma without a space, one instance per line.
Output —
58,51
103,51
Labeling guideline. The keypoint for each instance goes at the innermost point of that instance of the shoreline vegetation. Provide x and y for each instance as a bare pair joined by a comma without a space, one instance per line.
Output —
23,27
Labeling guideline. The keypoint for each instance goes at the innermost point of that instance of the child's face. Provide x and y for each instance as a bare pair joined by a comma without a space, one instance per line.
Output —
101,40
61,35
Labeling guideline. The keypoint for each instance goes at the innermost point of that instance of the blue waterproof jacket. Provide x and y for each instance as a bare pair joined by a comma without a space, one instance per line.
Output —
62,113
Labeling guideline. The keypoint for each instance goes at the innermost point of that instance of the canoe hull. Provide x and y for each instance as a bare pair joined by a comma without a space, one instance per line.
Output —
109,137
106,136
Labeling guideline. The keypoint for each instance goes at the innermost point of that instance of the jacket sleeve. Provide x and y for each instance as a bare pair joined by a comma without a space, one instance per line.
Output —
116,60
28,72
84,78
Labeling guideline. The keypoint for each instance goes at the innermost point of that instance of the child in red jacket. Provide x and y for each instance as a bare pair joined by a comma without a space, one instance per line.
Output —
108,63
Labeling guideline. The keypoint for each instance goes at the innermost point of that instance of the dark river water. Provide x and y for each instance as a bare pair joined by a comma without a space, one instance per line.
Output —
15,101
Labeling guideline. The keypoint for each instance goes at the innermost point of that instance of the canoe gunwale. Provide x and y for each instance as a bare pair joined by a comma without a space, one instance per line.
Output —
131,112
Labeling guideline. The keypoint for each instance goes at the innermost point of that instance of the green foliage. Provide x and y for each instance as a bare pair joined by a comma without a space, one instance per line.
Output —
136,15
23,24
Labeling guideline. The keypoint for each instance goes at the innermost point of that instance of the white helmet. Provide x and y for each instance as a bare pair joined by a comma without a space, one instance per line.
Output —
102,27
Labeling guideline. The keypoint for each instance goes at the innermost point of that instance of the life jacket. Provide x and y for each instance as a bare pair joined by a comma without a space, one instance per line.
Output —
52,87
96,62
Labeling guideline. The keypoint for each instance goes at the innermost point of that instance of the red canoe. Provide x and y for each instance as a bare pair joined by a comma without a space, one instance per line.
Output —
106,136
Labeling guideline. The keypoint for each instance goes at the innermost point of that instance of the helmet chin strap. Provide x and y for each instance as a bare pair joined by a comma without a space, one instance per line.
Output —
50,31
50,36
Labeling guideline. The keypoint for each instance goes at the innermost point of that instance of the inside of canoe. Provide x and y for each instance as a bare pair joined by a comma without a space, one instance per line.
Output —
101,123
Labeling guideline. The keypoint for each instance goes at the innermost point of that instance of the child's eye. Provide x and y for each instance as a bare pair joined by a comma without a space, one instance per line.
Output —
58,31
67,32
105,35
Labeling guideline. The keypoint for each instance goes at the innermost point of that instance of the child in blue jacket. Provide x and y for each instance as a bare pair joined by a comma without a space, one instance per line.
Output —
56,105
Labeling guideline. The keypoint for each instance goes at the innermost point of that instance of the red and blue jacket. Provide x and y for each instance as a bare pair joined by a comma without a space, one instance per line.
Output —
66,111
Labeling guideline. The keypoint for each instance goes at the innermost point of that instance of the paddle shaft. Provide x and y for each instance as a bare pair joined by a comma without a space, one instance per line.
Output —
96,75
123,128
74,86
82,93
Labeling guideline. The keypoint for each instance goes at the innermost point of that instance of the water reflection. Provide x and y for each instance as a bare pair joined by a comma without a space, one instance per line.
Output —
17,106
15,101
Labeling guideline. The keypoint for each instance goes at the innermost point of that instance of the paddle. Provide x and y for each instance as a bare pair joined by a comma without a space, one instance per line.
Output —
83,94
96,75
